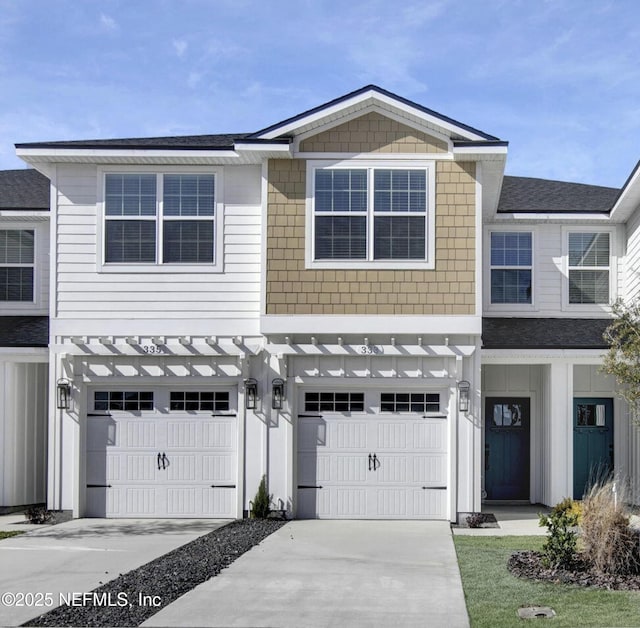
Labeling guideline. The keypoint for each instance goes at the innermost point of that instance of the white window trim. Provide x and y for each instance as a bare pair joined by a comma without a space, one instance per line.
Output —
39,250
218,263
430,240
510,307
613,275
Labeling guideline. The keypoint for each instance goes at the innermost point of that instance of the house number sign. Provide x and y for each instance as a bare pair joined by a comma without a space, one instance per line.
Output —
152,349
370,349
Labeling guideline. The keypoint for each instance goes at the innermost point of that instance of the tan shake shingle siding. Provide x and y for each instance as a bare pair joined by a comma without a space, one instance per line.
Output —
294,290
373,133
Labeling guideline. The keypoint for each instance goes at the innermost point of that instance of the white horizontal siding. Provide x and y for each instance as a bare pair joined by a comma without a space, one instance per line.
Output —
83,292
548,272
632,259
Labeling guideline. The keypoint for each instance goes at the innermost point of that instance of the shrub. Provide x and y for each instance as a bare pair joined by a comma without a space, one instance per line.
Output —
476,519
570,506
610,544
39,515
262,501
559,550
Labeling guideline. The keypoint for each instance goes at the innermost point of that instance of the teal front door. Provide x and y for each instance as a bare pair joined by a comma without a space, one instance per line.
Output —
506,447
592,442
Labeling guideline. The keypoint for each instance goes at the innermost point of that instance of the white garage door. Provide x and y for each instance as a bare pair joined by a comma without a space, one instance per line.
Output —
387,463
152,458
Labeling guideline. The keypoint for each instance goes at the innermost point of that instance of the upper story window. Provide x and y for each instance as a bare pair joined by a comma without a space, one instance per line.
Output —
511,267
161,218
589,264
17,259
371,216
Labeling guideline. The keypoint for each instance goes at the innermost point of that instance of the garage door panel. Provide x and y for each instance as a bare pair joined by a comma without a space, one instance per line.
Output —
348,435
218,502
137,434
182,434
408,452
181,501
430,469
219,434
429,503
156,464
350,502
392,435
348,469
140,467
182,468
391,502
218,467
140,501
392,469
430,435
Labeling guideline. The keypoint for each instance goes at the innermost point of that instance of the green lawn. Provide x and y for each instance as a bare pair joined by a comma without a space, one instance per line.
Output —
6,535
493,595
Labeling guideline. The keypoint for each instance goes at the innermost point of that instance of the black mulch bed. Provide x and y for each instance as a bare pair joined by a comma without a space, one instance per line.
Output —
166,578
528,564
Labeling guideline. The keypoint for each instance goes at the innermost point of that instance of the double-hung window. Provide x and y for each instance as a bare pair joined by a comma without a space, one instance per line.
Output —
371,215
160,218
511,267
17,260
589,267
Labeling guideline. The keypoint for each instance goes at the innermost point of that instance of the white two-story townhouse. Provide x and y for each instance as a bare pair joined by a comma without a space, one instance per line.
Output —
354,303
24,337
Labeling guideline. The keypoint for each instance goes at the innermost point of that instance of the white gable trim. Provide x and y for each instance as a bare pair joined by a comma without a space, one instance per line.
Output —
363,101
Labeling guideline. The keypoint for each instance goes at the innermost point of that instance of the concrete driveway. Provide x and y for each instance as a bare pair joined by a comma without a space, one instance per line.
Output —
80,555
334,573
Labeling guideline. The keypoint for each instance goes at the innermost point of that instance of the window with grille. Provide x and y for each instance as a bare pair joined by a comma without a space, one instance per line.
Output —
410,402
193,401
511,267
589,268
334,402
154,218
17,260
370,214
132,401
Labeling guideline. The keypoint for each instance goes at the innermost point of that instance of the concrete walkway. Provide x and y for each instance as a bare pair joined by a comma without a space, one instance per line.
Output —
80,555
334,573
513,520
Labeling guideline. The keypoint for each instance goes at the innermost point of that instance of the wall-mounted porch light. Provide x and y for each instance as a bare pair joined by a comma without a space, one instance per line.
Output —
277,393
250,393
63,394
463,395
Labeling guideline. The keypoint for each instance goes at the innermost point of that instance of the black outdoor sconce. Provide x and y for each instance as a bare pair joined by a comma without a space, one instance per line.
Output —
250,394
64,394
463,395
277,393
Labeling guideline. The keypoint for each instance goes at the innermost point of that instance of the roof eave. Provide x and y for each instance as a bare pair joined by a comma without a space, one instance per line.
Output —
373,93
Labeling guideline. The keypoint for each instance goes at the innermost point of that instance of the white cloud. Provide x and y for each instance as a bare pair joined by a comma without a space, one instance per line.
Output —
180,46
108,22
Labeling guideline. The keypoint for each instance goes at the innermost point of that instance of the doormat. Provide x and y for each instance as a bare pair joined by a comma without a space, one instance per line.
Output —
476,520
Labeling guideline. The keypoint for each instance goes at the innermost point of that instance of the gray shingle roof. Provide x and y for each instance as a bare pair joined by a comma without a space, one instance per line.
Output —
23,189
544,333
525,194
24,331
193,142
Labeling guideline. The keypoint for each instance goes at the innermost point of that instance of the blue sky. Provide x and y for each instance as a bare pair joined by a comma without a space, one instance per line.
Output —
558,79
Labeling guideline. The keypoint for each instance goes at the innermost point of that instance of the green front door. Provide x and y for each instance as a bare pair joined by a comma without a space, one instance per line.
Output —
592,442
506,447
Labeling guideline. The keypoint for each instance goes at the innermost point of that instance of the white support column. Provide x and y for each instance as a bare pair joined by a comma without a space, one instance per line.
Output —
559,432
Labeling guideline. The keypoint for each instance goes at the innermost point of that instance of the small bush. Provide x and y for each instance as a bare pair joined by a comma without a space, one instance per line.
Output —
559,550
570,506
610,544
476,519
262,501
39,515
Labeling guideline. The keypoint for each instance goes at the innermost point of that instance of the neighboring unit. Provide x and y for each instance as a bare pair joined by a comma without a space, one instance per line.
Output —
354,302
24,337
